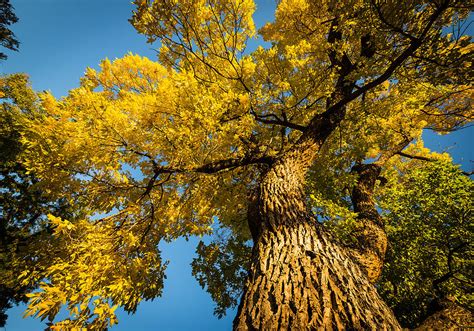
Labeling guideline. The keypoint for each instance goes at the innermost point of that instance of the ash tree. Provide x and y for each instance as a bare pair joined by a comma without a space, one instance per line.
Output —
271,142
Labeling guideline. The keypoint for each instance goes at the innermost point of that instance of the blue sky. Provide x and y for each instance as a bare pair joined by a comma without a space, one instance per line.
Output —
59,39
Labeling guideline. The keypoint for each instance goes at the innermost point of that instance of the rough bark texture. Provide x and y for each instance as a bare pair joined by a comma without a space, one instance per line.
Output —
447,315
370,235
300,279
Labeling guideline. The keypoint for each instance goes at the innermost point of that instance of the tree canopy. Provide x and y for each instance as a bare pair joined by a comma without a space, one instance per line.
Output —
297,135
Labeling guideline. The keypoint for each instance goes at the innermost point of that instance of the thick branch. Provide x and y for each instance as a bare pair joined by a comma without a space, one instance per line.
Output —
287,124
220,165
216,166
371,239
416,157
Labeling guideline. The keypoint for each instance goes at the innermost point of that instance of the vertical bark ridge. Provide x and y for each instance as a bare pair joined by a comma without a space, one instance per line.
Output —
371,239
301,280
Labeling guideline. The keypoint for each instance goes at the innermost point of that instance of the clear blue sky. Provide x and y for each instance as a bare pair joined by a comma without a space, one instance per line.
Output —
59,39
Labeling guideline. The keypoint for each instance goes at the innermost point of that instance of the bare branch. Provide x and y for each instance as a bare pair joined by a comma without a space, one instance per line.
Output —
217,166
416,157
278,121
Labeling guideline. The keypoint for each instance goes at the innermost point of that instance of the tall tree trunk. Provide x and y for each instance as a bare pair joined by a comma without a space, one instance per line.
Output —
299,278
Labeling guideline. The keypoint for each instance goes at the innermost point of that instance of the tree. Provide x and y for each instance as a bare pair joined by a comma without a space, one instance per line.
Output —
429,231
7,18
155,150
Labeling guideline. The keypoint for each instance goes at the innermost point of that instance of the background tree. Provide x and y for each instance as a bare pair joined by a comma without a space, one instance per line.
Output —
7,18
8,40
153,151
429,231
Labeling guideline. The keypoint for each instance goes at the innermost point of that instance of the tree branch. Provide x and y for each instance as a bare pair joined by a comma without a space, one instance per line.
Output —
390,25
287,124
217,166
424,158
416,157
220,165
409,51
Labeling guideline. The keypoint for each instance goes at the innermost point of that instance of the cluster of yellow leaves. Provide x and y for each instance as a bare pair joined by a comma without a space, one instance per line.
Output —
202,34
400,111
97,267
294,77
16,87
307,23
281,80
102,148
302,72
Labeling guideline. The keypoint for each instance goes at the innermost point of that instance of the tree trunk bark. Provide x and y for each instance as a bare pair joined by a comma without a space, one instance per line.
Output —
446,314
299,278
371,238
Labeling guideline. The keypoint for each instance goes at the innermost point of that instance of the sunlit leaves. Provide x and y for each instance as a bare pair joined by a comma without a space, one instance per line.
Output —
97,266
210,36
122,145
113,140
23,204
